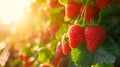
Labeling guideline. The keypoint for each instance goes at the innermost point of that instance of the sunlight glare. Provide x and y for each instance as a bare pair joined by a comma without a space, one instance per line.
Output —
11,10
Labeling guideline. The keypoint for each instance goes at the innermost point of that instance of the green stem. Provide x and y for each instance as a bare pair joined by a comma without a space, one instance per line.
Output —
83,23
84,13
76,22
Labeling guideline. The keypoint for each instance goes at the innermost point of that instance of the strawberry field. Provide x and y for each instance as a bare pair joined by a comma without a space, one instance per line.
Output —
64,33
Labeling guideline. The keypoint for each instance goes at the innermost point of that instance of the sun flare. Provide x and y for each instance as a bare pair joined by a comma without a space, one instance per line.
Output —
11,10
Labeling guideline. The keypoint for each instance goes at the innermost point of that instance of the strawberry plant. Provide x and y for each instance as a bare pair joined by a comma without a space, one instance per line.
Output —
70,33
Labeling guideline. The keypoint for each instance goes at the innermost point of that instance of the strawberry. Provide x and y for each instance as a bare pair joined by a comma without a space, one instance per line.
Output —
103,3
76,36
23,57
91,13
72,9
95,35
28,64
59,52
52,3
55,61
65,45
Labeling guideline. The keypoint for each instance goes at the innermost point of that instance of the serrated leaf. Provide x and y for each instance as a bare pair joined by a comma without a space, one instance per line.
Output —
109,12
82,56
102,56
110,45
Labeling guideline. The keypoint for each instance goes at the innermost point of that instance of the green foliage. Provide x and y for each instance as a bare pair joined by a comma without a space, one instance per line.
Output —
104,65
53,45
63,29
109,12
63,2
84,58
17,62
103,56
44,55
27,51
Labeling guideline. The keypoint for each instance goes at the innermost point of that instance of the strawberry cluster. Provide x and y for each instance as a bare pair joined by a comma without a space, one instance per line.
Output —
93,34
73,9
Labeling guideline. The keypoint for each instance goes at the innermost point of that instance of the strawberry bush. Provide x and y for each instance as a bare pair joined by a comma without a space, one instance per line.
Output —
70,33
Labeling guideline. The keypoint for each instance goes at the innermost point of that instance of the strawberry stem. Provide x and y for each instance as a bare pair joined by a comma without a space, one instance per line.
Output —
83,23
76,22
84,13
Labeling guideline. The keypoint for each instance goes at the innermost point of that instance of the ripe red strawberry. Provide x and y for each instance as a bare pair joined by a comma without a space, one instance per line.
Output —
103,3
95,35
65,45
28,64
23,57
72,9
52,3
76,36
59,52
91,13
55,61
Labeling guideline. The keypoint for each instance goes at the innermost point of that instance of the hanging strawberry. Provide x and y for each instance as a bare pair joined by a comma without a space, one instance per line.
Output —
76,36
95,35
65,45
72,9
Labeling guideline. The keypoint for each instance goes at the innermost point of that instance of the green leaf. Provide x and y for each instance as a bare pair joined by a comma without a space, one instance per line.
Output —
53,45
44,55
27,51
17,62
63,2
63,29
109,12
110,45
102,56
104,65
82,56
